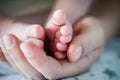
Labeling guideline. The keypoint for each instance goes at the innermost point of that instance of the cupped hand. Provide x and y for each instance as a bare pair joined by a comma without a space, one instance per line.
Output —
10,46
88,35
22,30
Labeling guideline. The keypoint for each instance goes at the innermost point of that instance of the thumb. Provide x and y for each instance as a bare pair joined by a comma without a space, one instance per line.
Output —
40,61
90,37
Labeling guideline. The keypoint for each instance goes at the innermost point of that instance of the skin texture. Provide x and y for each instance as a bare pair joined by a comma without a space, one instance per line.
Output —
59,33
27,31
17,28
88,32
62,68
16,59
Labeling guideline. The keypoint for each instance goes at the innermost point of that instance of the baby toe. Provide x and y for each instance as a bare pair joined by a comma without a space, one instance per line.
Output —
66,39
37,42
35,31
59,17
60,55
61,47
66,30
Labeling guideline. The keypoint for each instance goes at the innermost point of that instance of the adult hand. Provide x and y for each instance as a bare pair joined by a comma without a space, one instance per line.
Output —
22,30
11,50
88,34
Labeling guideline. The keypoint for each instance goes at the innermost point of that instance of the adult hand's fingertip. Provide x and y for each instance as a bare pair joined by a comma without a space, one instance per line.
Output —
74,53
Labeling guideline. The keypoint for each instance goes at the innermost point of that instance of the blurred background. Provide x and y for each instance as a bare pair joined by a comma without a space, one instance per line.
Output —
30,11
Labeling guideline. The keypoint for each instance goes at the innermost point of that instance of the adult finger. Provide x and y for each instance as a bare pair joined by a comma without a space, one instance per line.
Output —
15,55
55,69
89,37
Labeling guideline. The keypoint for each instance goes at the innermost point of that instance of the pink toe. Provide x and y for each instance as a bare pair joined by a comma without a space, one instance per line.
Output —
35,31
60,55
61,47
65,30
59,17
37,42
74,53
65,39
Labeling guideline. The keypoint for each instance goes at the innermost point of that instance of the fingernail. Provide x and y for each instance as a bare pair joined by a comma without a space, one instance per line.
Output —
78,53
8,41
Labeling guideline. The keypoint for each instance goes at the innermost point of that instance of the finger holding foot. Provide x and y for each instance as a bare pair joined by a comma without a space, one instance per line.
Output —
90,37
14,55
62,68
34,31
64,36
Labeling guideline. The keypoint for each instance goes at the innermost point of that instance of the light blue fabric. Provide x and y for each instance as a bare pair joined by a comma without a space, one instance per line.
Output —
8,73
107,67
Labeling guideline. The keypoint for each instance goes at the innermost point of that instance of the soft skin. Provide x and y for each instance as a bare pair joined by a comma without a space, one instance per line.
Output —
88,32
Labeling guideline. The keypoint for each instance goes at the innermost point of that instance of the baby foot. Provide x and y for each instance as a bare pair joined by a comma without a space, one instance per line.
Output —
33,33
25,31
59,33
